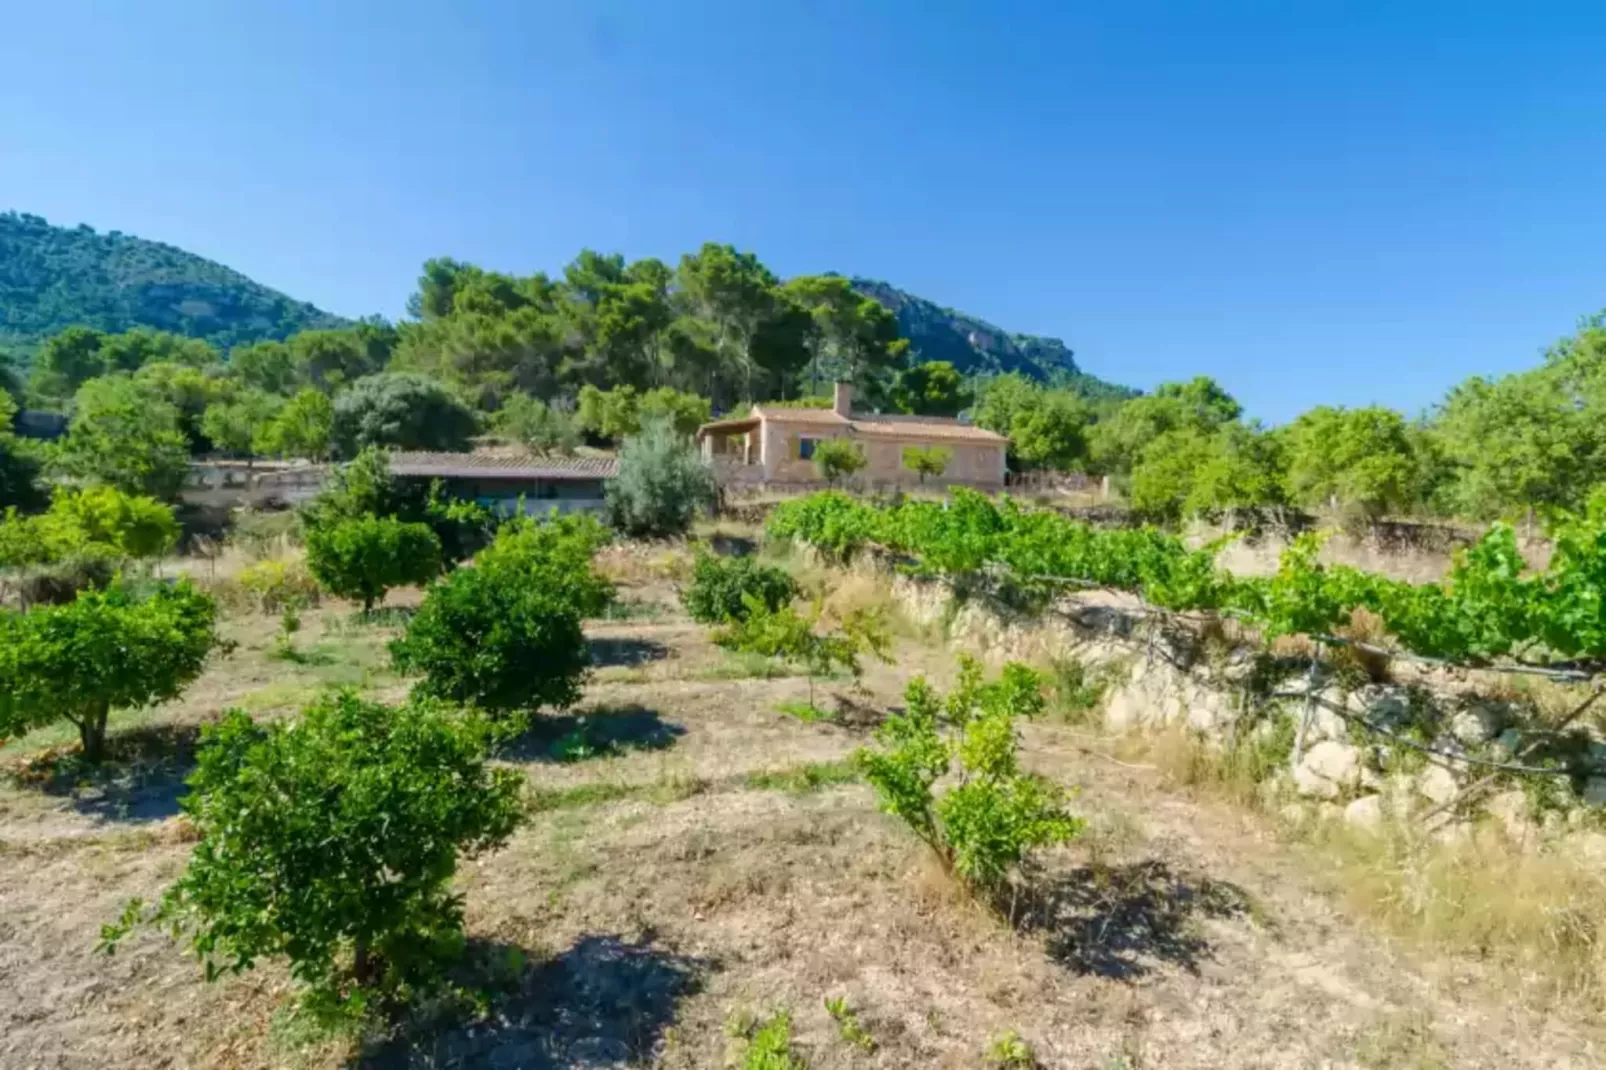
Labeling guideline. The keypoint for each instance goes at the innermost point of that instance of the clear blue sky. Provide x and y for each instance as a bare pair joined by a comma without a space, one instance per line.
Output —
1339,202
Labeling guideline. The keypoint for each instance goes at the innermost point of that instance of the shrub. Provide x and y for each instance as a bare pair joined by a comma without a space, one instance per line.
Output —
99,520
332,841
492,638
786,634
106,650
403,411
985,825
719,586
837,458
362,559
278,584
663,483
554,555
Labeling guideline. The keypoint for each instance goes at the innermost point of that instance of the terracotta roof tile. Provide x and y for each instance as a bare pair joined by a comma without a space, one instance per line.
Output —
928,428
503,465
783,415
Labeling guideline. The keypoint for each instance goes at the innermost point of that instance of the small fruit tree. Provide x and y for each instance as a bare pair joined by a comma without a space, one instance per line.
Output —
505,635
837,458
719,585
107,650
984,826
332,841
786,634
926,460
362,559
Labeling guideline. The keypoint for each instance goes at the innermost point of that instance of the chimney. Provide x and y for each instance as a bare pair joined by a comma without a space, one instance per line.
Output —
842,399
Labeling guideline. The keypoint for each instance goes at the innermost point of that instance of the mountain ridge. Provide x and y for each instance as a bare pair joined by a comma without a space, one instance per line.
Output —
976,347
53,277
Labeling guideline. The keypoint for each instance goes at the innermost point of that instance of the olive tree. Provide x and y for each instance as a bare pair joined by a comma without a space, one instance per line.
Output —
662,484
107,650
361,559
332,840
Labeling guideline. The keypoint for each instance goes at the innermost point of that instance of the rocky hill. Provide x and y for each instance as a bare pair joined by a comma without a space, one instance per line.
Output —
977,347
54,277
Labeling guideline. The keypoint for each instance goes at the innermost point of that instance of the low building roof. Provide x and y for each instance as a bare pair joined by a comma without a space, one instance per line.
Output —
502,465
875,425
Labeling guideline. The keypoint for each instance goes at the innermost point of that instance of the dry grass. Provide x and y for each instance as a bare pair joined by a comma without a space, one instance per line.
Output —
736,862
1539,915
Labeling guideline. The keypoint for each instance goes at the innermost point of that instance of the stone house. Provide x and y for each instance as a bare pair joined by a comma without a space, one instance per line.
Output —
775,445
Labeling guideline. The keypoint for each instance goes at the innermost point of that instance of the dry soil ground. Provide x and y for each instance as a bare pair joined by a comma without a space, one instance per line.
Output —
712,859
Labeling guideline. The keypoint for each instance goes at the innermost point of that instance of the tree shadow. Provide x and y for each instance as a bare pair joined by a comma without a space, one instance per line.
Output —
141,780
611,650
1123,921
605,1002
732,545
593,732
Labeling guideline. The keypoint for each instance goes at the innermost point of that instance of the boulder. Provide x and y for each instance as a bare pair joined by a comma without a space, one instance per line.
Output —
1509,811
1436,784
1365,813
1477,724
1329,769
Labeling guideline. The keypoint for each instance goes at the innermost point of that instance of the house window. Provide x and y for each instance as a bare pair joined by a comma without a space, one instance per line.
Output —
805,448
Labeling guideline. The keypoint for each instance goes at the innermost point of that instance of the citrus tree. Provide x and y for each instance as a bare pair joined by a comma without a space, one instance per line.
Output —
331,841
837,458
985,824
109,649
362,559
926,461
490,638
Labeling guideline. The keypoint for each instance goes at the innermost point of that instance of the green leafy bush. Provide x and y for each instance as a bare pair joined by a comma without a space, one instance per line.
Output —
786,634
496,639
403,411
985,825
720,585
362,559
837,458
100,520
331,840
663,484
108,649
554,555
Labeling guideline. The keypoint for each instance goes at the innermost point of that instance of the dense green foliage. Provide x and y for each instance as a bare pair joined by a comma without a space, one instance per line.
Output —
1489,607
720,587
926,461
331,840
126,434
19,465
54,277
837,459
662,485
363,558
504,635
618,413
496,640
109,649
984,826
96,518
406,412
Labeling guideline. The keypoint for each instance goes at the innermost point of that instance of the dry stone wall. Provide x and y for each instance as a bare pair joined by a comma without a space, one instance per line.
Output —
1405,750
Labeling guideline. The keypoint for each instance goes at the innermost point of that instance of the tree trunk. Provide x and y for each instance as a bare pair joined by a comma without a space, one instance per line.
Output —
363,964
92,735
